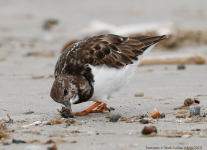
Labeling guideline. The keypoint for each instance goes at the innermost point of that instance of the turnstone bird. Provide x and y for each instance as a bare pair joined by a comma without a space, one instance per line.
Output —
96,67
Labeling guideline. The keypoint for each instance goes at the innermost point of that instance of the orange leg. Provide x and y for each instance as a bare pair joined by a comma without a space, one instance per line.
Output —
85,112
100,109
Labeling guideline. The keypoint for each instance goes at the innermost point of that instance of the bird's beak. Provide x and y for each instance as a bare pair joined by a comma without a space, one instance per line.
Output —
69,108
66,101
67,104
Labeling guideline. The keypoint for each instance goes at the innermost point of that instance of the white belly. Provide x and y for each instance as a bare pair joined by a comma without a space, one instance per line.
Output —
110,80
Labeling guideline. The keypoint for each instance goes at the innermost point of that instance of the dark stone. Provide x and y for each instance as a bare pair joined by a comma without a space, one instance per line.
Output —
162,115
196,130
75,131
115,117
181,66
111,109
97,133
6,143
17,141
49,23
144,121
28,112
197,101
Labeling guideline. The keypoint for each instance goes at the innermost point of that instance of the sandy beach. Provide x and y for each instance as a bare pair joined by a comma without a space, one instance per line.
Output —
26,80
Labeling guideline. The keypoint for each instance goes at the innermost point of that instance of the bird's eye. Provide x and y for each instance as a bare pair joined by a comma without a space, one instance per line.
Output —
65,91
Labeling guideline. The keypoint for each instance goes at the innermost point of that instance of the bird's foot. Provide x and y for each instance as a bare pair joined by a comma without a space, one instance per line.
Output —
85,112
82,113
100,109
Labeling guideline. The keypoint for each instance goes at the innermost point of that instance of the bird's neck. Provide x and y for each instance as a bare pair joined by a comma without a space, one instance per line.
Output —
85,88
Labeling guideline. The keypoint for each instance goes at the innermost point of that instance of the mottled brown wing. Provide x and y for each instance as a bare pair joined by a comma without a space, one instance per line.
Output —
113,50
110,50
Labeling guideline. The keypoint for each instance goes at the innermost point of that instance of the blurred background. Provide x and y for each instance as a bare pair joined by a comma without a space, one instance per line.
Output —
33,33
48,25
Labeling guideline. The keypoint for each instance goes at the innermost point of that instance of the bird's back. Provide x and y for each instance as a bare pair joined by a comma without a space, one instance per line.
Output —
109,50
106,61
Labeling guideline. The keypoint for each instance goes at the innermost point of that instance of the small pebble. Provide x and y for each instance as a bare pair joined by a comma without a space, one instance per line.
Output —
28,112
139,94
185,136
115,117
111,109
97,133
148,130
17,141
181,67
6,143
54,147
202,115
138,118
71,121
155,114
162,115
194,110
46,123
144,121
181,116
49,23
196,130
197,101
188,102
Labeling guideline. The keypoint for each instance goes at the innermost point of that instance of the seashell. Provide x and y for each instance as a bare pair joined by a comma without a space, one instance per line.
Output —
155,114
188,102
115,118
148,130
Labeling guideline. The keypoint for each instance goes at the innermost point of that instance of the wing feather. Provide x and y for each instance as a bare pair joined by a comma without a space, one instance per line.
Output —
110,50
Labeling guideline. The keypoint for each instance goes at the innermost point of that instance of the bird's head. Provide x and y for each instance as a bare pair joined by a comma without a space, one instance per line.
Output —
64,91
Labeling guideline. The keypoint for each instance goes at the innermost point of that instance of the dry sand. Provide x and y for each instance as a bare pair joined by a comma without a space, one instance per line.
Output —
164,86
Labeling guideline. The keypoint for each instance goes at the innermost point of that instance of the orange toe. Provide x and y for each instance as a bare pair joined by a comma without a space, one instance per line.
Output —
103,108
100,109
82,113
85,112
